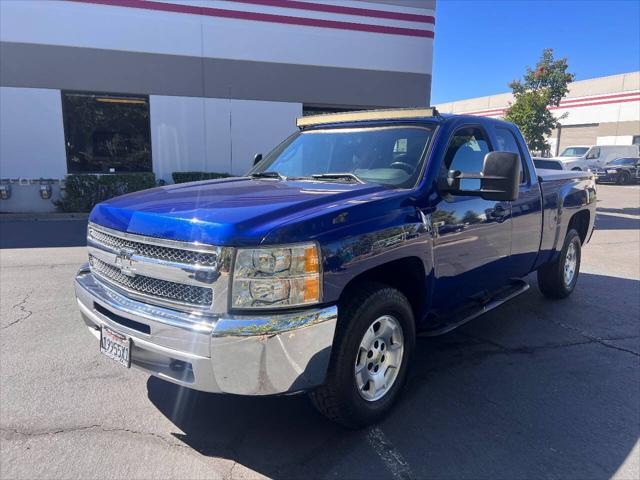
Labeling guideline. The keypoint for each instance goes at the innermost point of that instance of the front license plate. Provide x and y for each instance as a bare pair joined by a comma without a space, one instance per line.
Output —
116,346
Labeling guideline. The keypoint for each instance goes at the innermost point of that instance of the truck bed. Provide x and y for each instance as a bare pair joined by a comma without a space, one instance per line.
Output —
552,175
564,193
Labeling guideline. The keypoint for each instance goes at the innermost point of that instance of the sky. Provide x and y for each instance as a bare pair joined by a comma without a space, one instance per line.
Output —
482,45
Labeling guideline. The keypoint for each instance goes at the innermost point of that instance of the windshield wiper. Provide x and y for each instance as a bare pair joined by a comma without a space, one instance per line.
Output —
337,177
268,174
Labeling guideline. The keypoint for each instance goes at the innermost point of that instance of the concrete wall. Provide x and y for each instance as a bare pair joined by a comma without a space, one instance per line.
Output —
373,55
225,79
31,134
215,135
196,31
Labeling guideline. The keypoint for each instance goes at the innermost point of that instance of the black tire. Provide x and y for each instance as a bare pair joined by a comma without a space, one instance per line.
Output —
623,178
551,277
576,169
338,398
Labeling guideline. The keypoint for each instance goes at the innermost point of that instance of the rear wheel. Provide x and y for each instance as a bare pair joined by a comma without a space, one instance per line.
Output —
623,178
373,344
558,279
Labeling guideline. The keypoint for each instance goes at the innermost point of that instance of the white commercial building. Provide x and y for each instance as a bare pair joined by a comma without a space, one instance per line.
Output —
599,111
99,86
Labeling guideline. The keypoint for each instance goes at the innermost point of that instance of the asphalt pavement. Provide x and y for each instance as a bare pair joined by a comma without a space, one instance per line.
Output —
535,389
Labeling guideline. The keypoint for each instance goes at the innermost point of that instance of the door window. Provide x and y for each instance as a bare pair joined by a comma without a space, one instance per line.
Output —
593,153
466,152
507,143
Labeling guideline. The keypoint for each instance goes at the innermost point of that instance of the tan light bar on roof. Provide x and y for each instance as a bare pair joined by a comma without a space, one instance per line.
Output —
364,115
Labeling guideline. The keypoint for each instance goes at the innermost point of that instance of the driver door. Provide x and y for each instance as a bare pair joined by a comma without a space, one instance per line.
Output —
472,236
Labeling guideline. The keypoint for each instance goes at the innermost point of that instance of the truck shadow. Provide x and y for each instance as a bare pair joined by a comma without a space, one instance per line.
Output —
43,233
624,210
533,389
610,222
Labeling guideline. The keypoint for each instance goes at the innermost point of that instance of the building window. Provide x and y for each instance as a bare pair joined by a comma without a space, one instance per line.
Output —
106,133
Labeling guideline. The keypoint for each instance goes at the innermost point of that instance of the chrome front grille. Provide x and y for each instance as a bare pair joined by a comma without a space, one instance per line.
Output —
172,291
180,275
153,251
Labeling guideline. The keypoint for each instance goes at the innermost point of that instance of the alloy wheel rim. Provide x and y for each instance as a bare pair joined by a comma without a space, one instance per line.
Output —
570,263
379,358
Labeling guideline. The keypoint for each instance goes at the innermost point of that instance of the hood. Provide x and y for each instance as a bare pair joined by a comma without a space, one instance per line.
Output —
236,211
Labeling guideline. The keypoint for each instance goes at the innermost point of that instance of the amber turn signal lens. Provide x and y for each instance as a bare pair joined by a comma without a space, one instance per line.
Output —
310,260
312,289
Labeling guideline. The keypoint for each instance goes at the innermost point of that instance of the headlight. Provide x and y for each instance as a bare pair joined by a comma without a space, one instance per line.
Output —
276,277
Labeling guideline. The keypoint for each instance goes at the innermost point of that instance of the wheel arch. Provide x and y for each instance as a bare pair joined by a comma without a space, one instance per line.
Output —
580,222
406,275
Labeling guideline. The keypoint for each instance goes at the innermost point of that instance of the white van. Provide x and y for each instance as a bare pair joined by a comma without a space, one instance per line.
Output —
584,157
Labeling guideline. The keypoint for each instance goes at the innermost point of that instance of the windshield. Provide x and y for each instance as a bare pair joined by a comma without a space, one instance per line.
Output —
623,161
389,155
574,151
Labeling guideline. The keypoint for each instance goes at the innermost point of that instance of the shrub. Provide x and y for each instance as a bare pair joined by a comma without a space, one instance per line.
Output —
82,191
183,177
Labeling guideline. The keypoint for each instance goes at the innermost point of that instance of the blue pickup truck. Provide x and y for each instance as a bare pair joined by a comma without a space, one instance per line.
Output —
316,271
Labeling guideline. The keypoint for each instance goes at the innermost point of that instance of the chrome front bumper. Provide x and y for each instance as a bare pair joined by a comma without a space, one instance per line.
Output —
239,354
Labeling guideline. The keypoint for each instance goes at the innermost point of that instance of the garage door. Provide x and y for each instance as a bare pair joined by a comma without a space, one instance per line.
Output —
578,135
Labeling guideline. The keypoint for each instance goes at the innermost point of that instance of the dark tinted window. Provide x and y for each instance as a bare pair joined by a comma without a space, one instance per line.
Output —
624,161
507,143
465,153
106,133
547,164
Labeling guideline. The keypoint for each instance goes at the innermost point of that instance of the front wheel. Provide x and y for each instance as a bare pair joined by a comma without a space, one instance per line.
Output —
373,344
558,279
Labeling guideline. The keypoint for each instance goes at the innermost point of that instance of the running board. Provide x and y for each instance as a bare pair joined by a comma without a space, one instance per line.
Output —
466,315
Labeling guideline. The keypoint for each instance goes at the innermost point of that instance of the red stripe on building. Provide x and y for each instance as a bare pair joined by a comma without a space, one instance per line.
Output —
601,97
362,12
596,103
578,102
492,113
260,17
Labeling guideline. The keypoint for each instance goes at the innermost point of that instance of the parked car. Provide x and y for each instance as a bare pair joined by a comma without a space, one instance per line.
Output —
621,171
316,271
582,157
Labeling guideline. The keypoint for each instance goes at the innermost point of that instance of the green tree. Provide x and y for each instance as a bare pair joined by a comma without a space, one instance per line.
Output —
540,88
471,217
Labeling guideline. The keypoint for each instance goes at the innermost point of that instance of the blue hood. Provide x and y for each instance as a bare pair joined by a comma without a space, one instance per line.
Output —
236,211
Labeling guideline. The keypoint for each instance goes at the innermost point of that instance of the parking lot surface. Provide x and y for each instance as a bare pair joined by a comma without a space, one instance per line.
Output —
534,389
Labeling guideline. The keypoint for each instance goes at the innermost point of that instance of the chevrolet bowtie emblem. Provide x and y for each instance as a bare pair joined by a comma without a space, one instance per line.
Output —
124,261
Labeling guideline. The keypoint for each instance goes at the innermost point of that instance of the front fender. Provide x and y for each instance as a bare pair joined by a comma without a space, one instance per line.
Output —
359,237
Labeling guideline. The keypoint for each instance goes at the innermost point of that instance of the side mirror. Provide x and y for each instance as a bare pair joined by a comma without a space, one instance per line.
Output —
256,158
499,179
